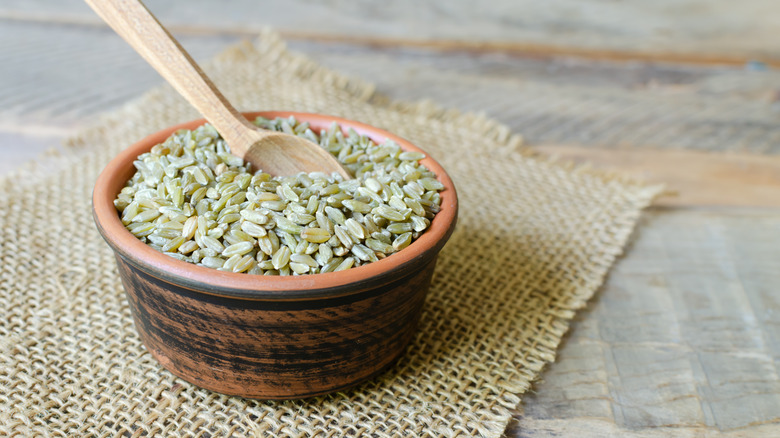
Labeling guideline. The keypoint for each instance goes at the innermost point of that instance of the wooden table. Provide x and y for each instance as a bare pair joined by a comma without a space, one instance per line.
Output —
684,337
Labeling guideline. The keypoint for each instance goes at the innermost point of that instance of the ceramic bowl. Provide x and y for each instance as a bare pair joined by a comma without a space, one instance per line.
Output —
272,337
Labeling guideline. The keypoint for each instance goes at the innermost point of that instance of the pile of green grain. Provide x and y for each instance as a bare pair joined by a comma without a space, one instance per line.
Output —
193,200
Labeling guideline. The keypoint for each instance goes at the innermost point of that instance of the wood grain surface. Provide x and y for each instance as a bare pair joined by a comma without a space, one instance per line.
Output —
663,30
683,339
549,100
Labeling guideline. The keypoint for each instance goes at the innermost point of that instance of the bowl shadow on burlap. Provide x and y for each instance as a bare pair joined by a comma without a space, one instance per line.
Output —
473,318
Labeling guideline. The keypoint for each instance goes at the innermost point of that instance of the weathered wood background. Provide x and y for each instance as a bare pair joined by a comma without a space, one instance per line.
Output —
684,338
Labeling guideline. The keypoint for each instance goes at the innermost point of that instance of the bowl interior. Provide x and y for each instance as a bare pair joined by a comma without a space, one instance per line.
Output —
120,169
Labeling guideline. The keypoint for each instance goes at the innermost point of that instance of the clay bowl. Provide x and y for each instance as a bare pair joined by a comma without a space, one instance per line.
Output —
272,337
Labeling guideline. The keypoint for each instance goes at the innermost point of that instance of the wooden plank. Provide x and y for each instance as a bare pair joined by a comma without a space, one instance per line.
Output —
714,31
546,100
595,428
515,48
695,178
62,75
683,339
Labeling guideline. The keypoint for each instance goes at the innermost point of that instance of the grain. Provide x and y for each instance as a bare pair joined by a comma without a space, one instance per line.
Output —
402,241
238,248
304,259
189,227
389,213
346,264
253,229
193,200
281,257
355,229
357,206
363,253
315,235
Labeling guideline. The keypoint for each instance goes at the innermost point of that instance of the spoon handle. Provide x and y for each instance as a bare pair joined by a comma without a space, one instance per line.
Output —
136,25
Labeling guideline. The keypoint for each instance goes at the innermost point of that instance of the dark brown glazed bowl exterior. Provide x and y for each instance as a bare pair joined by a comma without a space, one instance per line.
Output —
272,337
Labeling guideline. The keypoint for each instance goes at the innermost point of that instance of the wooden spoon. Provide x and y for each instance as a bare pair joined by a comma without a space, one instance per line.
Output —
272,152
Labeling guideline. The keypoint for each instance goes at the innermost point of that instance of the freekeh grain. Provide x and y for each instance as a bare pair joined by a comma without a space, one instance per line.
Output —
193,200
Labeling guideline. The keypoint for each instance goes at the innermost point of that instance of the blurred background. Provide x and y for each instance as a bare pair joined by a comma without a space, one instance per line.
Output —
601,72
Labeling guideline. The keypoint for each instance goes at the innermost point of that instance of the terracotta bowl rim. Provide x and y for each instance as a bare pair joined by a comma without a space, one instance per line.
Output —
275,288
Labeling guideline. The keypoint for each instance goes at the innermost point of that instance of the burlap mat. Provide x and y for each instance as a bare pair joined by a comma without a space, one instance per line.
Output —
534,242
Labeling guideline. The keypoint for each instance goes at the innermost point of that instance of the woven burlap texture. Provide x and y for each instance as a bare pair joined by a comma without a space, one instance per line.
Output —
534,242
